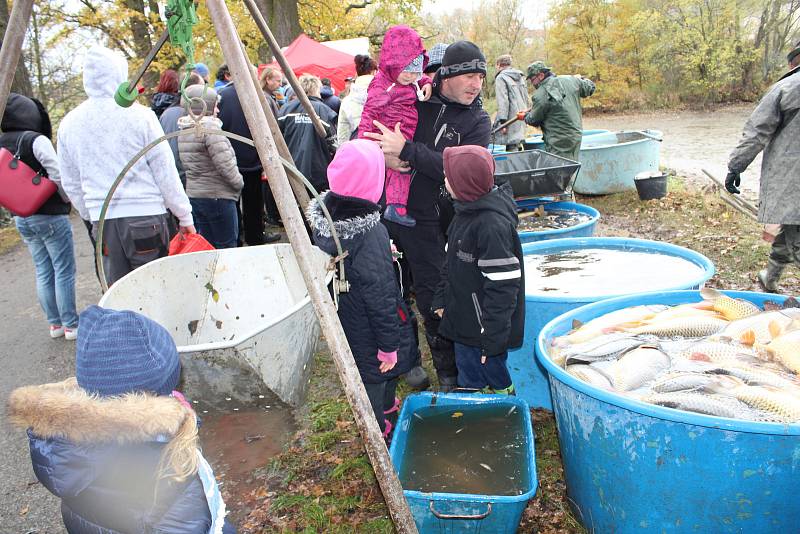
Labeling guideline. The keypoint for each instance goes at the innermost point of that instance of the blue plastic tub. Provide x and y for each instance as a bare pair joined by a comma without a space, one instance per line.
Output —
584,229
636,467
530,378
497,514
610,161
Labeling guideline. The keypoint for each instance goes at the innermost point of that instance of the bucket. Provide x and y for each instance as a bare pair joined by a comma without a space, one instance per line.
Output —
651,185
459,512
529,377
584,229
635,467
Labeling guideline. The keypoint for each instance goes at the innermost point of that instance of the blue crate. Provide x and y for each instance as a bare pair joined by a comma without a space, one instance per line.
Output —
456,512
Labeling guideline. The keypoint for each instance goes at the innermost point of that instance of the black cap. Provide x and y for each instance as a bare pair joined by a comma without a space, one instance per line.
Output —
462,57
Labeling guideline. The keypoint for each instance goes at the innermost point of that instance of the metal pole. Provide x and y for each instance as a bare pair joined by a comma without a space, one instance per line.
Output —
287,69
317,290
12,47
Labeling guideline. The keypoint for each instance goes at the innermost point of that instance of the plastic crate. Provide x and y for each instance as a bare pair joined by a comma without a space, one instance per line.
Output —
534,173
457,512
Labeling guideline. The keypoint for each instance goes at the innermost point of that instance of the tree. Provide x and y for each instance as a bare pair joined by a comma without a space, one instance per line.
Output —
22,81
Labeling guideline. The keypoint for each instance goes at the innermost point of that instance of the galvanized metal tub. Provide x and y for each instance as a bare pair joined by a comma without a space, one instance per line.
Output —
530,378
636,467
610,161
584,229
244,309
537,141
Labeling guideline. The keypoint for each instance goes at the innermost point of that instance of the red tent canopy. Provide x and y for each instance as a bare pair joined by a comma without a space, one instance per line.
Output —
306,56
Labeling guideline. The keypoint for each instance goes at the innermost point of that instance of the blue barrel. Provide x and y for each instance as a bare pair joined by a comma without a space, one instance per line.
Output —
636,467
464,513
530,378
584,229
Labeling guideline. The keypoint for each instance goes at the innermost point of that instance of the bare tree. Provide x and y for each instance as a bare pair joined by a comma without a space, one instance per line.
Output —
22,81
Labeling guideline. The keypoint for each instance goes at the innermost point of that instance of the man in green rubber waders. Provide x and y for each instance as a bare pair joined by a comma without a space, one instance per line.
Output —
557,109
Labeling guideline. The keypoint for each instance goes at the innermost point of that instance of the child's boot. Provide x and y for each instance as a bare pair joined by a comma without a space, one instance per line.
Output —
397,213
387,431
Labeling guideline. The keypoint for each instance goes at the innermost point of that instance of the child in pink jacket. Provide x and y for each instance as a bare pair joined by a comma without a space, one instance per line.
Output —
392,98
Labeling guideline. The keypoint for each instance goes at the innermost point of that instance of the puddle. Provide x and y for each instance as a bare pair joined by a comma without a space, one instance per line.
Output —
243,425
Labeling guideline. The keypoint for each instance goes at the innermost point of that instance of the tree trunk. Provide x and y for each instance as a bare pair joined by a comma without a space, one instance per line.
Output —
22,81
282,17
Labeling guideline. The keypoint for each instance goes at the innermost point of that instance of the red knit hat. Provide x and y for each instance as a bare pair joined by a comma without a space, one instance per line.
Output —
469,170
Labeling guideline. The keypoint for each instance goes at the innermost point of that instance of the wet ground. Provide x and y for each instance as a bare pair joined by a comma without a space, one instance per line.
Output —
693,140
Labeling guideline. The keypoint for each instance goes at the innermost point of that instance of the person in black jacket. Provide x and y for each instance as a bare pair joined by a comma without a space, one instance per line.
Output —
232,117
453,116
47,233
481,299
375,319
311,153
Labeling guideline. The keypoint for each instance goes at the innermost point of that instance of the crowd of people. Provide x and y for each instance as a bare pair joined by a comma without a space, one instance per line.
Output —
405,173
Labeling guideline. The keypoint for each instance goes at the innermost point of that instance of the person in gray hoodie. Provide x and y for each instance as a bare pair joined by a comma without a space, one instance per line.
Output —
512,97
213,181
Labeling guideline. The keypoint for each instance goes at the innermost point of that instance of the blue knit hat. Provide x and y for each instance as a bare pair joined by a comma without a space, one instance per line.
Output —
122,352
201,69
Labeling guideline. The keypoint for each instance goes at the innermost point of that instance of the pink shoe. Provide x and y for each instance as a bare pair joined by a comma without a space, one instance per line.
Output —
394,408
387,429
56,331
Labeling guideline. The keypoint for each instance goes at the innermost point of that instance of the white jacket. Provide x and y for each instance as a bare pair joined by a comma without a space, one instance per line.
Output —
351,108
98,139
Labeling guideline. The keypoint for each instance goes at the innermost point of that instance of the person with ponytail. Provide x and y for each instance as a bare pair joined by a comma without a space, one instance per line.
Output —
116,443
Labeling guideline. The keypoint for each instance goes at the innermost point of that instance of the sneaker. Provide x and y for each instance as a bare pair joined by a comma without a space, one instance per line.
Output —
393,214
387,431
71,334
56,331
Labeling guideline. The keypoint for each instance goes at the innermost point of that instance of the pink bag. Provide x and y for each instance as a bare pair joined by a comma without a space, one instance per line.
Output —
22,190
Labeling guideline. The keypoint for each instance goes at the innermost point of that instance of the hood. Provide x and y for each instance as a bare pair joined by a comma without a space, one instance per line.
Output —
103,72
64,410
514,74
358,170
499,200
326,91
352,218
23,113
187,122
400,46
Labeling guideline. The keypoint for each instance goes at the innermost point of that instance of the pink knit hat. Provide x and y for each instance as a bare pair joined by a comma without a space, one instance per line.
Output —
358,170
469,170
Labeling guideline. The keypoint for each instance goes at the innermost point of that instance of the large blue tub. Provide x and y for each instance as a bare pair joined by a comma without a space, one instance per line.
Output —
584,229
537,141
530,378
636,467
610,161
454,512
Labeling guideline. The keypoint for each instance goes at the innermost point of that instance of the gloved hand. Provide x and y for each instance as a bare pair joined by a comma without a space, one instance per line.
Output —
732,182
521,115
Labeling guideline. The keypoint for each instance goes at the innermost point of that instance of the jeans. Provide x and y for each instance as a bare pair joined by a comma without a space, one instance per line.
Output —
216,220
476,375
49,239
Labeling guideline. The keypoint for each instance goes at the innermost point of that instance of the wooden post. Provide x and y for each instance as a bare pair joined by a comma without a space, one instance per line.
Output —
12,47
287,69
317,290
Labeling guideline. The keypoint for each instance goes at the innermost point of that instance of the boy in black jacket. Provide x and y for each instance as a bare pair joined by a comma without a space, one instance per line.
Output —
481,298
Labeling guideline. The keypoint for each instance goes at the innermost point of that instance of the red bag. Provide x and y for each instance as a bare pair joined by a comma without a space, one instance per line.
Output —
22,190
183,243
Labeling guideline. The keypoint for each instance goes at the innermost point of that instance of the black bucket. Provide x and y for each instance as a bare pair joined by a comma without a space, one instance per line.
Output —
651,185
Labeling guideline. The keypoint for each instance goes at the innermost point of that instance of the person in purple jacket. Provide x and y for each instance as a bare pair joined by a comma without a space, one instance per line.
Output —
391,100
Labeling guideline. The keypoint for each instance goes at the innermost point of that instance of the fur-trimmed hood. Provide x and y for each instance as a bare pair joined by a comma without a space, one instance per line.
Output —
64,410
351,216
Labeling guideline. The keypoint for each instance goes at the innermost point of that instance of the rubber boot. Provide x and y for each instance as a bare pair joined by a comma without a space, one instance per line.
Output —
447,383
417,378
768,278
398,214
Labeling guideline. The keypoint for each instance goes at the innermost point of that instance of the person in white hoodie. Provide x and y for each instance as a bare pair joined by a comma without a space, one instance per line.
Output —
353,104
96,140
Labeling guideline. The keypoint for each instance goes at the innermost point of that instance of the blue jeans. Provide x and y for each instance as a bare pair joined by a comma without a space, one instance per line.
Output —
476,375
49,239
216,220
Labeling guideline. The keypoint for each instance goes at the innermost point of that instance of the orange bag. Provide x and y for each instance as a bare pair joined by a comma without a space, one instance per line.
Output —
181,244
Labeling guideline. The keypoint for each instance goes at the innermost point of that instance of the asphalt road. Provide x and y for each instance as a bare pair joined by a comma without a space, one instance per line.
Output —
29,356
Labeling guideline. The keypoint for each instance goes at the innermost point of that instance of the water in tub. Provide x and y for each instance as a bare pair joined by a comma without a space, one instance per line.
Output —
476,450
720,356
542,219
598,272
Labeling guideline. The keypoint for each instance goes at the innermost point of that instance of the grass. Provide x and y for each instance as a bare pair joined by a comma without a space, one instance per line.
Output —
324,482
9,238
